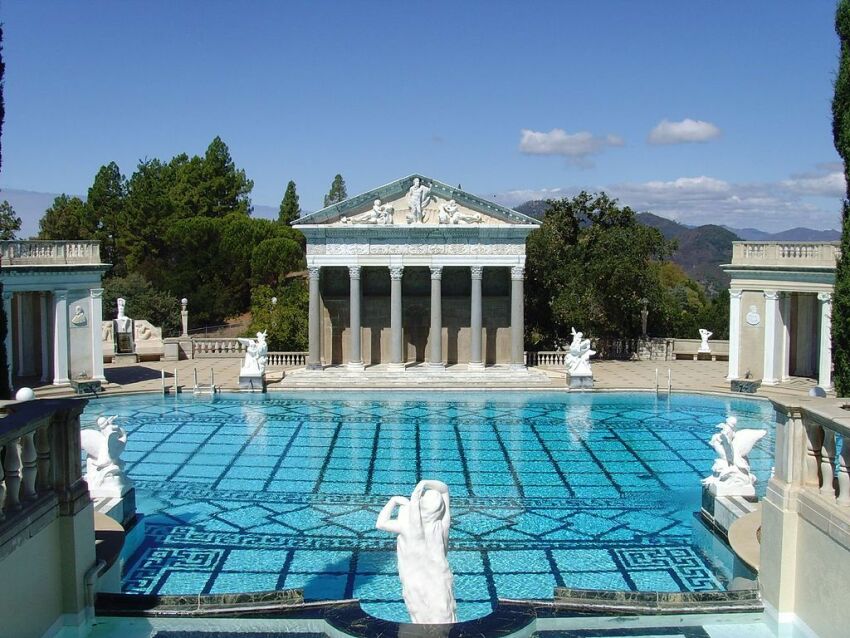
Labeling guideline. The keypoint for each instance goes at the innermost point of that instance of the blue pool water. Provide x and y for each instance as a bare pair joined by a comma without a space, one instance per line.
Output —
257,492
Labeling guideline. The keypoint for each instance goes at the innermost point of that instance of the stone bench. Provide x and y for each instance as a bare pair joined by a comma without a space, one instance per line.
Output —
689,349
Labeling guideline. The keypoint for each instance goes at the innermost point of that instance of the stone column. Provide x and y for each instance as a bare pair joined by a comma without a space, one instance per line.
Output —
517,317
771,315
60,337
7,309
20,357
825,355
45,337
734,332
476,361
314,329
96,322
355,361
785,313
396,335
437,318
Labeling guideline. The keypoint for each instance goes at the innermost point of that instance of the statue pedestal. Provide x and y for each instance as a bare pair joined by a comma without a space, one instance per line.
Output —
252,381
579,381
732,489
117,502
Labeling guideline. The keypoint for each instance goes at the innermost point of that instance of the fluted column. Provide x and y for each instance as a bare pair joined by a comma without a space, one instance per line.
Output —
476,361
517,317
60,337
96,321
314,334
771,315
437,317
355,361
734,332
20,356
825,356
7,309
396,336
45,336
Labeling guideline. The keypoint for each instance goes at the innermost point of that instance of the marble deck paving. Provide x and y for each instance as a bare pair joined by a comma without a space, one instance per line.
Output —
253,500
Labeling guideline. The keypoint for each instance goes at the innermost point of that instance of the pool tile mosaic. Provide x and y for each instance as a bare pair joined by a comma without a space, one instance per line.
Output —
246,492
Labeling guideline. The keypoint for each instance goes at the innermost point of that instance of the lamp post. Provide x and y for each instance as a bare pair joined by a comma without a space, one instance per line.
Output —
644,314
184,316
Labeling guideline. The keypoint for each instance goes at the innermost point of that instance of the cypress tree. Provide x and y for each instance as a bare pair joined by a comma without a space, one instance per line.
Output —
337,192
841,137
5,390
290,210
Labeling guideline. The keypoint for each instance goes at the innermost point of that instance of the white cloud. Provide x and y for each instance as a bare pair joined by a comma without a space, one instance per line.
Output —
686,131
571,145
831,184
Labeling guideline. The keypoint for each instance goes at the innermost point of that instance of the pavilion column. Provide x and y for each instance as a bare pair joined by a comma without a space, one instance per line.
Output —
785,313
436,317
734,332
825,357
355,361
60,337
7,310
476,361
396,335
314,334
517,317
21,357
96,321
771,316
45,336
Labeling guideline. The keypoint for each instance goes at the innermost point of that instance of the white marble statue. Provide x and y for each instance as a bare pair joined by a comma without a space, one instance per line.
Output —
704,335
422,530
380,214
256,351
104,468
123,323
418,196
730,473
578,357
450,214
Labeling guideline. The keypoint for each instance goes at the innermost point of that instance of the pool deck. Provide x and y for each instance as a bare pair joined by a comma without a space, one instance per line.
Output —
686,375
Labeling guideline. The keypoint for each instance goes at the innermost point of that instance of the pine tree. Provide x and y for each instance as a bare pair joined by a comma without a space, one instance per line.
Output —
841,137
290,210
337,192
5,390
105,203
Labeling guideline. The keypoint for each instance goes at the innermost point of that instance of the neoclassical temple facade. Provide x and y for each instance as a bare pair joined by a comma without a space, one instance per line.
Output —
52,297
780,310
416,271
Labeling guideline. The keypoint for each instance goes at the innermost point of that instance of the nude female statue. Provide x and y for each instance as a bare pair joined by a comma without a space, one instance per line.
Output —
422,527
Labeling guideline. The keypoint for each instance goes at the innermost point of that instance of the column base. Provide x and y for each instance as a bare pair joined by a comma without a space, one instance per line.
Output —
770,381
65,381
357,366
436,366
475,366
518,367
315,367
396,367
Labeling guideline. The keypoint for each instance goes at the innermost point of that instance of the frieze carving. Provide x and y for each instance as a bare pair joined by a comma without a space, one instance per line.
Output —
408,248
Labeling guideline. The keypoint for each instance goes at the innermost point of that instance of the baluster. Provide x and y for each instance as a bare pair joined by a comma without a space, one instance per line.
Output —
42,445
2,492
814,440
827,464
28,472
844,473
13,476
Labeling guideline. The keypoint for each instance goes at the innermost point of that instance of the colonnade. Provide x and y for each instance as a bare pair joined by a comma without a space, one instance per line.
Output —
435,362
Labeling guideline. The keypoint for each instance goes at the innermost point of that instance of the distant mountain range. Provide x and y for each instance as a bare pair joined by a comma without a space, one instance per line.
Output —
701,249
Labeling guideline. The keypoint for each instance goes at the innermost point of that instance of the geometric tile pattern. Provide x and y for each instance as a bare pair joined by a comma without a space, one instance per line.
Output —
248,492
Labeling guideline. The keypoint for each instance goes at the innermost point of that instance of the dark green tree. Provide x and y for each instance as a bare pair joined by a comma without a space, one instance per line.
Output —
10,223
143,302
337,193
290,210
841,137
284,321
105,201
5,390
67,218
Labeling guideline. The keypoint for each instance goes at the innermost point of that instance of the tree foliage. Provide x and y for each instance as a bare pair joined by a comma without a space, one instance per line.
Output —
105,204
285,321
841,137
10,223
5,390
337,193
67,218
143,302
290,209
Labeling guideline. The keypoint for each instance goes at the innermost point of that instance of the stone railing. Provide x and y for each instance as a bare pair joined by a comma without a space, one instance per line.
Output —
223,347
49,253
41,474
556,358
787,254
286,359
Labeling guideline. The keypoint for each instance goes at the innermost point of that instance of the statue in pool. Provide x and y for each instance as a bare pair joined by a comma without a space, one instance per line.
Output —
578,357
256,354
730,473
422,530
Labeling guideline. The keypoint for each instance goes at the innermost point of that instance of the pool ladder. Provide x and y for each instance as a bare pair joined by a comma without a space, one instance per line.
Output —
175,387
204,389
669,382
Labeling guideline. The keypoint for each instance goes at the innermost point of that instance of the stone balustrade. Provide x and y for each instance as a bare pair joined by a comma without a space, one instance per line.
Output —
222,347
41,473
549,358
788,254
49,253
286,359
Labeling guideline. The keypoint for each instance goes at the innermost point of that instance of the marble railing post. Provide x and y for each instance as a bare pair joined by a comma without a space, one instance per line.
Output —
396,336
7,309
825,355
355,361
436,317
771,314
517,317
60,337
314,334
476,361
96,321
734,331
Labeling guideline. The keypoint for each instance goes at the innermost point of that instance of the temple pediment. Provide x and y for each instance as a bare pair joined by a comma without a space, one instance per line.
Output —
415,200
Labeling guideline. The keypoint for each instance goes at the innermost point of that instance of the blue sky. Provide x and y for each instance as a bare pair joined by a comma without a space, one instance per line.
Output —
513,100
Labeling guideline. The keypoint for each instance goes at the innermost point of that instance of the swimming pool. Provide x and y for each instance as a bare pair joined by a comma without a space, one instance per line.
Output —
248,492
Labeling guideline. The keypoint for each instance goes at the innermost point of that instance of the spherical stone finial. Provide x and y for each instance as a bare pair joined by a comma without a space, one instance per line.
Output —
184,301
24,394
